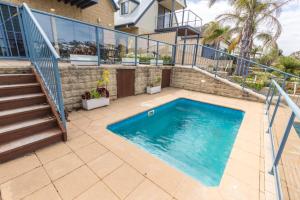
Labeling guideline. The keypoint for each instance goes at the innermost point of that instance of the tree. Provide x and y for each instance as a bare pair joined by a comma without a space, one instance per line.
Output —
288,64
250,17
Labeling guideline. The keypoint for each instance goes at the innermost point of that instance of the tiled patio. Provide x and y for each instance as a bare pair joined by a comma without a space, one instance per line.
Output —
97,164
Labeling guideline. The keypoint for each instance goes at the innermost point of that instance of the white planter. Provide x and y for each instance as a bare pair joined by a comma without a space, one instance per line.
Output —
130,61
94,103
153,90
83,59
159,62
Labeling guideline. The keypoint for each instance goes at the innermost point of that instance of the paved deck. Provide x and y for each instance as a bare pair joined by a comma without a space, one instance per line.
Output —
97,164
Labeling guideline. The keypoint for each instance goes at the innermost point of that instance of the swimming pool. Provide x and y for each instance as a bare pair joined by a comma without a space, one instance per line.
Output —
192,136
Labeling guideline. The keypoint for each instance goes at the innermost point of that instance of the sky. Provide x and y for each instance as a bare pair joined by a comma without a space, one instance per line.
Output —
289,40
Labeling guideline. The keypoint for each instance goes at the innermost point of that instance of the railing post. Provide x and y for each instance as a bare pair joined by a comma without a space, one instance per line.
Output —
283,142
275,111
217,64
195,55
157,52
182,17
98,46
271,99
174,49
135,51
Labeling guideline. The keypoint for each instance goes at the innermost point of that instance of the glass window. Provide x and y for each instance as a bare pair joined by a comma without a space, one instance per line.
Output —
124,7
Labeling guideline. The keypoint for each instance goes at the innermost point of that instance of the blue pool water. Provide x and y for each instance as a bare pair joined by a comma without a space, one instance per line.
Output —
192,136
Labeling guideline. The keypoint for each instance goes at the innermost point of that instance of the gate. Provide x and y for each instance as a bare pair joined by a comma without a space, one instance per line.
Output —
125,82
166,78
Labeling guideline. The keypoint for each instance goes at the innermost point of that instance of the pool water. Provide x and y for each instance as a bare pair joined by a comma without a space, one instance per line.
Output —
192,136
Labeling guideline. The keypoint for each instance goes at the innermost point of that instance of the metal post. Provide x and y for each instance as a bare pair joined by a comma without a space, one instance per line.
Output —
157,53
184,46
135,51
283,141
98,46
275,111
270,86
271,99
195,54
183,11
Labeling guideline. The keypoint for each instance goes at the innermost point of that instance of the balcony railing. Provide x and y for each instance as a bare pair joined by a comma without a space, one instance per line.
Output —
178,19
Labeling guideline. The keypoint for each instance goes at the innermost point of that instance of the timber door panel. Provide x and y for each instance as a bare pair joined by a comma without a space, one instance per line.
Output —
166,78
125,82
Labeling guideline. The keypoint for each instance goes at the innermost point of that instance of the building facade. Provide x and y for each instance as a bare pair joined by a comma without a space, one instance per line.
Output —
97,12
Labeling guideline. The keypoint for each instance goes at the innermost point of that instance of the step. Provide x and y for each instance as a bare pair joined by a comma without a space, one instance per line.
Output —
10,79
31,143
25,113
18,89
23,129
19,101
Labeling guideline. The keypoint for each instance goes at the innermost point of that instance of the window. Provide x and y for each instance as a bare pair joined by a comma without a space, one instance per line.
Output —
124,8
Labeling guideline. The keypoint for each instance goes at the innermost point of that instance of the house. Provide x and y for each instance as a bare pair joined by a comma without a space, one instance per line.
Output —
164,20
98,12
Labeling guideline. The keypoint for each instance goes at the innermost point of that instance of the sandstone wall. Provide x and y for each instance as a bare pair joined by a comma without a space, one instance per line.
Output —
190,79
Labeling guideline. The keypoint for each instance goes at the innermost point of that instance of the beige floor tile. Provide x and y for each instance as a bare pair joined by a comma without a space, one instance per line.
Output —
61,166
105,164
243,173
98,192
245,157
17,167
148,190
25,184
48,192
234,189
123,180
80,141
75,183
82,123
52,152
90,152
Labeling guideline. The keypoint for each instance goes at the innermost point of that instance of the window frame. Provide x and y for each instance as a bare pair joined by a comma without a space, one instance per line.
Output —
125,5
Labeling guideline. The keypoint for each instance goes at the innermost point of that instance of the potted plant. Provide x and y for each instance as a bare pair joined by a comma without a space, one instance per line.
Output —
129,59
154,87
99,96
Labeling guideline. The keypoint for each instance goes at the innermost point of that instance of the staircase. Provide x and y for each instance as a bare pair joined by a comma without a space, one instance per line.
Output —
27,121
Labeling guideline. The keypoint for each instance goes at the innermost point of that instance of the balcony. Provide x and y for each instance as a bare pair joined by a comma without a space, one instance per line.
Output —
184,21
81,3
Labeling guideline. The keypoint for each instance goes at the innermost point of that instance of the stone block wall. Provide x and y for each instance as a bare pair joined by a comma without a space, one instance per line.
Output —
190,79
78,79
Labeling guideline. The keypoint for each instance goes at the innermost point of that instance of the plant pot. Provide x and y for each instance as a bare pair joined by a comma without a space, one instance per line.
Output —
78,59
153,90
159,62
95,103
130,61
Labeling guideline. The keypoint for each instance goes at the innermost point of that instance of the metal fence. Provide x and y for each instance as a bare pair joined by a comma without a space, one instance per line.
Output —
73,39
44,58
283,113
247,73
178,19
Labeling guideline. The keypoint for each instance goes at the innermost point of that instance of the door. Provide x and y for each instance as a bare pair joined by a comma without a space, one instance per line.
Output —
166,78
125,82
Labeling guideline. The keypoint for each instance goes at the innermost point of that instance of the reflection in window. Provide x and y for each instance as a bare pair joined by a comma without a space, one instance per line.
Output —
75,38
11,40
115,45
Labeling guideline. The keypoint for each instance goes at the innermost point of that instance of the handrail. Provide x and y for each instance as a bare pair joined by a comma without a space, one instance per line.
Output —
288,100
44,58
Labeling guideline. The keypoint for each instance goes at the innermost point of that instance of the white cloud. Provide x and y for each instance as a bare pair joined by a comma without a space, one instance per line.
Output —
289,40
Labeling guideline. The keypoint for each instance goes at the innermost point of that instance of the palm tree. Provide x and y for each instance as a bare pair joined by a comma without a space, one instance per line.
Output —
250,17
214,33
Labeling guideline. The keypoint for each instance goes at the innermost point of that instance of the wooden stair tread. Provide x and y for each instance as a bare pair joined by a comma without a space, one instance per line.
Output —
23,96
18,85
28,123
29,140
27,74
23,109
